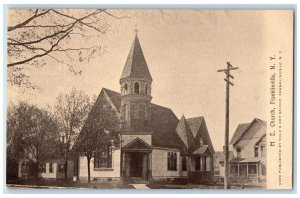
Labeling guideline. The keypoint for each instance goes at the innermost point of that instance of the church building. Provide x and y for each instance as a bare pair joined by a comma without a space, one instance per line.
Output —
154,143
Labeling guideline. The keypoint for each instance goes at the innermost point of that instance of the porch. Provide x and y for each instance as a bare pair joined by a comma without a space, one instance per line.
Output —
136,161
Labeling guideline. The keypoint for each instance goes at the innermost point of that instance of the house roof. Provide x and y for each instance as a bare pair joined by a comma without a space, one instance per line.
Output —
137,144
244,160
167,130
184,132
136,65
239,132
243,128
163,120
201,150
194,124
164,123
114,98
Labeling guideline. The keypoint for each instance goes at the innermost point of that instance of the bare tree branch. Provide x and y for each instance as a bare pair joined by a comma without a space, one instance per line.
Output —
11,28
39,55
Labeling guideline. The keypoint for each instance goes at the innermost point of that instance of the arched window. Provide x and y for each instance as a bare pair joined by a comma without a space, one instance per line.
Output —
136,88
125,88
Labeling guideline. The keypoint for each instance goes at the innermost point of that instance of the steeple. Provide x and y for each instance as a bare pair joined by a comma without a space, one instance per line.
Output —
136,66
136,91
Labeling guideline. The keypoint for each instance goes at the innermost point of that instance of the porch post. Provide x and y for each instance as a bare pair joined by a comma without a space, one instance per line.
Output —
238,165
257,170
123,164
149,166
247,170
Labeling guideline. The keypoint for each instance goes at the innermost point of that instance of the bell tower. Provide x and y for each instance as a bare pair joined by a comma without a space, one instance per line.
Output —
136,96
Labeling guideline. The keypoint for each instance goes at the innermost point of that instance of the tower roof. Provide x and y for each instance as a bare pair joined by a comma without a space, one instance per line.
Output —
136,65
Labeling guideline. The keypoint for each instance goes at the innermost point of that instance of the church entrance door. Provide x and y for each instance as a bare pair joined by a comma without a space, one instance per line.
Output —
136,164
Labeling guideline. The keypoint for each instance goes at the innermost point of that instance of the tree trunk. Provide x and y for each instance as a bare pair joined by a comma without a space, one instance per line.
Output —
66,163
89,169
37,163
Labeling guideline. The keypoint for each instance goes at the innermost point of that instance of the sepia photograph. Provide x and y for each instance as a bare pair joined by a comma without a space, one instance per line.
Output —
103,98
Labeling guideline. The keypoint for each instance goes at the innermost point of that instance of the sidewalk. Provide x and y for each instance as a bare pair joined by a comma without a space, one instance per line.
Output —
140,186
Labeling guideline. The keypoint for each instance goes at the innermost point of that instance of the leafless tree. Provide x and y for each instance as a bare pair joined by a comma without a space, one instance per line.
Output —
59,34
71,111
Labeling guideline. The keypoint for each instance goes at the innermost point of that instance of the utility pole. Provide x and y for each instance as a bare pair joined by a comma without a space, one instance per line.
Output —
228,83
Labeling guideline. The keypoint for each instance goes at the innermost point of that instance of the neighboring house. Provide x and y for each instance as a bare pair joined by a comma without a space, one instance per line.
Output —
50,168
154,143
249,152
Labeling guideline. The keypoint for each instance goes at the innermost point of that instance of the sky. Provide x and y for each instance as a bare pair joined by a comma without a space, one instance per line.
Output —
183,49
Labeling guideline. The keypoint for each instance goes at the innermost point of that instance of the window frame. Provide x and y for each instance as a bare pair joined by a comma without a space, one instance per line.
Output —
172,161
136,90
50,167
125,88
105,155
256,151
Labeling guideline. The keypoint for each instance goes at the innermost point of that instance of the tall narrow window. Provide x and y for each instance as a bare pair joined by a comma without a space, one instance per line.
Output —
124,113
147,90
50,168
125,88
103,159
172,161
43,167
262,151
136,88
256,151
203,164
238,151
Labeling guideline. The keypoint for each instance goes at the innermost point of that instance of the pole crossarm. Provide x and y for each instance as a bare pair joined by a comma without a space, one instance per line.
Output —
228,69
228,81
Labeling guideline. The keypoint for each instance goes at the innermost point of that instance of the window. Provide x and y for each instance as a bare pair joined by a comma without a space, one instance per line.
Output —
50,168
124,112
43,167
61,168
125,88
238,151
183,164
136,88
172,161
203,165
142,112
147,90
252,169
103,159
262,151
256,151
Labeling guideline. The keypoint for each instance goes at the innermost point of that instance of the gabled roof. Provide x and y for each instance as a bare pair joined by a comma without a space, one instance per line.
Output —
114,98
137,144
163,120
243,128
136,65
239,132
201,150
184,132
194,124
